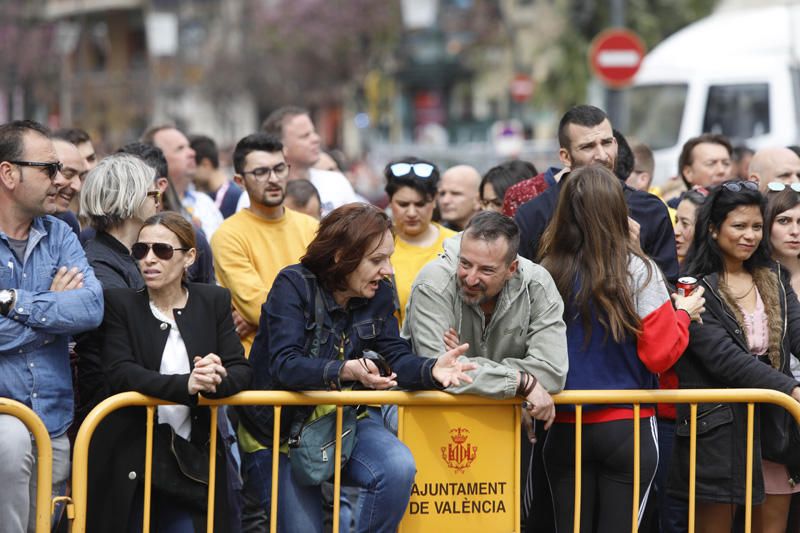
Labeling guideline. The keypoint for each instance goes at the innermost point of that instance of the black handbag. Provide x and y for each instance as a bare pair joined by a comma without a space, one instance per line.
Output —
780,439
180,468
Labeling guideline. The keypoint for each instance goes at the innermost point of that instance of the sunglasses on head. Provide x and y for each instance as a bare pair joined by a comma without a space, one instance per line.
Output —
778,186
697,195
737,186
420,170
162,250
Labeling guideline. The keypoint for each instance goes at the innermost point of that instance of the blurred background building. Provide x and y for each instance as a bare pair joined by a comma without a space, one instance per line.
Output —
466,80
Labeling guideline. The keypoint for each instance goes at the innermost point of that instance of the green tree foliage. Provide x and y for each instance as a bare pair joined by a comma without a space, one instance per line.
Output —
311,51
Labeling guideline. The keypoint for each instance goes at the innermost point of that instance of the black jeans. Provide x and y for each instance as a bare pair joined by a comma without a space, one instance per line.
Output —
607,475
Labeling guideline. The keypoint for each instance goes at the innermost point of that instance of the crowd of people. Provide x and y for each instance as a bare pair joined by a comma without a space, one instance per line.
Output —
153,270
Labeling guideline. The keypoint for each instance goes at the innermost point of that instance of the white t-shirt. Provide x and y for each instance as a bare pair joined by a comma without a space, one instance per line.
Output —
334,191
174,360
203,209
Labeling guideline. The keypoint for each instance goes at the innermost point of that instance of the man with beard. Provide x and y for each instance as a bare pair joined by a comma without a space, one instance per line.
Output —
252,246
585,136
506,307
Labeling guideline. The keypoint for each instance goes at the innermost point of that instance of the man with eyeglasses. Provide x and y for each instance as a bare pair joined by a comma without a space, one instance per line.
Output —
302,148
47,293
252,246
74,171
774,165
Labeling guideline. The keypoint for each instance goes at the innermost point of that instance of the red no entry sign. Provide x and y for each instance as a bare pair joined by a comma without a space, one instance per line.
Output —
615,56
521,88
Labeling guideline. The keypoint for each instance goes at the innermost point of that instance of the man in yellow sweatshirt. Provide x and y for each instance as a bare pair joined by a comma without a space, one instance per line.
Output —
252,246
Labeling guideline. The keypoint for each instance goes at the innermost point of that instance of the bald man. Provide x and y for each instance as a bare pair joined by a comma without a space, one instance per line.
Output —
774,164
459,196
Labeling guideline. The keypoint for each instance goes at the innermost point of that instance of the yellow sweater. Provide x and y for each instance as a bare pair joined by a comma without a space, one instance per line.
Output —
249,251
409,259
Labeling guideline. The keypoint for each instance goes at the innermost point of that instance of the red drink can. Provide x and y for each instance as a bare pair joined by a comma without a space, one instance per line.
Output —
686,285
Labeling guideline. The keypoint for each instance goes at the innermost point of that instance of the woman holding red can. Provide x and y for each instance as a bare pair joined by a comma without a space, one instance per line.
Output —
750,326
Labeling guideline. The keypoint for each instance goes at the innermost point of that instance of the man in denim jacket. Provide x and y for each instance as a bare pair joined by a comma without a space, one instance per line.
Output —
47,293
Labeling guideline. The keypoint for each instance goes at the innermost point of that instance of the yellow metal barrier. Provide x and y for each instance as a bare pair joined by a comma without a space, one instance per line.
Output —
277,398
44,459
685,396
439,399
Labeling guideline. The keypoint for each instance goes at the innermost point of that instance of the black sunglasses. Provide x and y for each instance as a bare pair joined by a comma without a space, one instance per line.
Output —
162,250
51,169
736,186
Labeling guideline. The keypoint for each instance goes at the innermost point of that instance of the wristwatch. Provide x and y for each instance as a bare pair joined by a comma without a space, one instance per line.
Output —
7,297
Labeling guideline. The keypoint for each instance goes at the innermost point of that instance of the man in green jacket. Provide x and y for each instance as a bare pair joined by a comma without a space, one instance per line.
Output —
507,308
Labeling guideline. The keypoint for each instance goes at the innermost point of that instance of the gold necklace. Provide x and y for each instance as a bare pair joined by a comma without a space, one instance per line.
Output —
746,292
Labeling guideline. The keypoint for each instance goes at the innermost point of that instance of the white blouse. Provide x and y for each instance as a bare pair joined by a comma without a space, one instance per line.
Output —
174,360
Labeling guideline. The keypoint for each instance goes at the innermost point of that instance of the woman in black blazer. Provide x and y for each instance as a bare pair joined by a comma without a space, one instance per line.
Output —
171,340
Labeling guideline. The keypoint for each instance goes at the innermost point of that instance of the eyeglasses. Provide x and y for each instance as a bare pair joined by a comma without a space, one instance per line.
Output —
162,250
736,186
155,195
778,186
420,170
51,169
281,170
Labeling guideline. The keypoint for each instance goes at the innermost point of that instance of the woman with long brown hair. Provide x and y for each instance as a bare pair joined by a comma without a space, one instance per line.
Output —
621,331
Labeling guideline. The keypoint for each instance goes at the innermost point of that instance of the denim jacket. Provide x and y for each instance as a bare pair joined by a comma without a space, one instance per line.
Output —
34,358
287,329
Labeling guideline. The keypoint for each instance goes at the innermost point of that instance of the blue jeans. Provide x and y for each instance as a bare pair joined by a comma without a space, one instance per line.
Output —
381,466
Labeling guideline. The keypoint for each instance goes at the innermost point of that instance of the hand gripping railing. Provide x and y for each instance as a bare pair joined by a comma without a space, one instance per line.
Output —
44,459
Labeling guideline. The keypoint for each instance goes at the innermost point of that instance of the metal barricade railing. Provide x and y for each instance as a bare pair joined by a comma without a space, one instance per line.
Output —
276,398
427,398
44,459
685,396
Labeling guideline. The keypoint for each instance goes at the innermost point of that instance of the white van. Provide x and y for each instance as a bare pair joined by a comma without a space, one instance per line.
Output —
734,72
